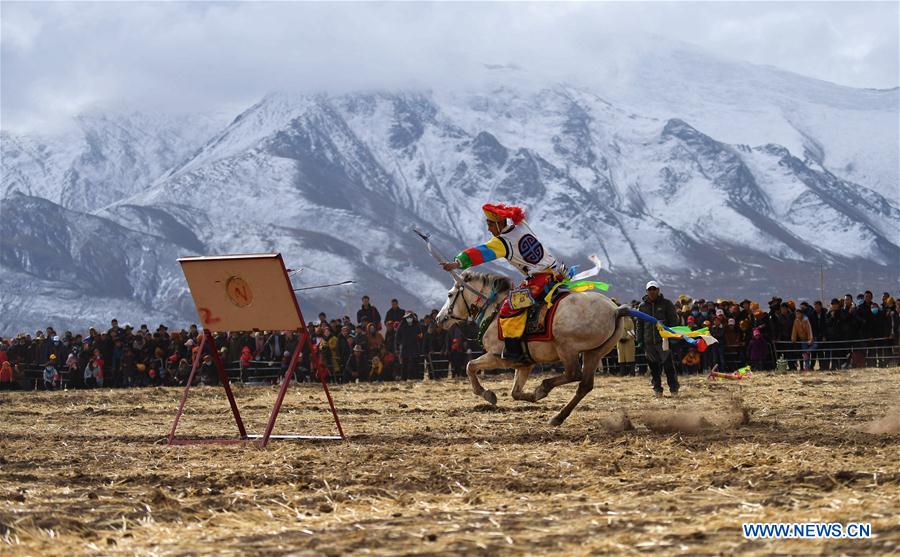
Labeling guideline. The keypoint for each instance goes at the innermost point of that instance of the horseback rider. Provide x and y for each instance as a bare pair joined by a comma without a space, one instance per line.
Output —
514,241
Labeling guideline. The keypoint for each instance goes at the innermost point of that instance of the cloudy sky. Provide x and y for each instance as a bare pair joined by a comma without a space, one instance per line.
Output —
61,58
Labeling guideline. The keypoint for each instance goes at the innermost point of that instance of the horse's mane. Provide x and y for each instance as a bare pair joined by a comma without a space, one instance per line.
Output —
499,283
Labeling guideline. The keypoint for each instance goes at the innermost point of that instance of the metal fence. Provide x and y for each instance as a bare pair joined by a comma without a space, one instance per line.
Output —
872,352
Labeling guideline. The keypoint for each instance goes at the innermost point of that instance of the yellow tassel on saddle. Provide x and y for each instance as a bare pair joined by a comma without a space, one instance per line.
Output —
549,297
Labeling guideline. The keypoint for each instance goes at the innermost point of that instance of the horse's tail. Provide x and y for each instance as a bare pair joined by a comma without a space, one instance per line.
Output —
622,312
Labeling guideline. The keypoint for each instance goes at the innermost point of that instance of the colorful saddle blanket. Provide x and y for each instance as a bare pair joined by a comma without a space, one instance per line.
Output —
539,324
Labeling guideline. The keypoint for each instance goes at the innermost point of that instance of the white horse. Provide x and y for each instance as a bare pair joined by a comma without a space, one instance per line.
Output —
586,327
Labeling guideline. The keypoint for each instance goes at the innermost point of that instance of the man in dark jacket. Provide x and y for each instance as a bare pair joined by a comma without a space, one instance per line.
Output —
836,332
892,320
356,366
344,345
862,316
648,337
409,345
369,313
394,315
785,324
817,319
773,330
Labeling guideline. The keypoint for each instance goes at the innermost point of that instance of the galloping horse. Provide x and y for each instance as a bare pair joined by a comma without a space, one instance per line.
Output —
586,324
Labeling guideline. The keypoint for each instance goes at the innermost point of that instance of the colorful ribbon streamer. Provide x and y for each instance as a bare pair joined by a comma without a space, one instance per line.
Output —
700,339
576,286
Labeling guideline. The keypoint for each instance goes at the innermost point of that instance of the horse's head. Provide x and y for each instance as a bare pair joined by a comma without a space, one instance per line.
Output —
468,295
455,306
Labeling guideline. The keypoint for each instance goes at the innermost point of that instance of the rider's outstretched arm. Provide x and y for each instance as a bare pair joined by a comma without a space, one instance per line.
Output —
470,257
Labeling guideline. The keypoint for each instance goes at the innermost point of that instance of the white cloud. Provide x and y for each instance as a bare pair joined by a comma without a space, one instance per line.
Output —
19,29
60,58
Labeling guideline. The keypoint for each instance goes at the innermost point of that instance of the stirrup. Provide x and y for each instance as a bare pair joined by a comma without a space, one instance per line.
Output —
512,350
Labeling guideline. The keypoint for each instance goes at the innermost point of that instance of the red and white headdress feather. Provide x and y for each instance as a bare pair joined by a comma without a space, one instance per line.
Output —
511,212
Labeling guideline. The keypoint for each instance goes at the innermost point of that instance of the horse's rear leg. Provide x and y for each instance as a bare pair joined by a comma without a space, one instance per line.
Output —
484,361
550,383
519,380
570,375
591,361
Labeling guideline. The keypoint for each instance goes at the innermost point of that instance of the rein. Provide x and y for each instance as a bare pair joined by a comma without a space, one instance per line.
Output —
488,302
484,326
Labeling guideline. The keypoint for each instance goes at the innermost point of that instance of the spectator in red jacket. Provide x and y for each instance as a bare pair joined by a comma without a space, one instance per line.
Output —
246,356
6,376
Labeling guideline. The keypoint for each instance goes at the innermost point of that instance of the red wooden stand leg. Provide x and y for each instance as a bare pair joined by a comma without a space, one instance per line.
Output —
187,388
337,421
314,359
285,381
223,377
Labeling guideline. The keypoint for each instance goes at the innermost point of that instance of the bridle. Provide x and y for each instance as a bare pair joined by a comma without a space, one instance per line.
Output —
475,311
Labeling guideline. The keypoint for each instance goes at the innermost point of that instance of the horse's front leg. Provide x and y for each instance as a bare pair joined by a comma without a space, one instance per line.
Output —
519,380
485,361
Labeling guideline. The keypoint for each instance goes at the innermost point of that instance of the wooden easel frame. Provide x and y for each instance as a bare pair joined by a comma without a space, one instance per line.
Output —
208,343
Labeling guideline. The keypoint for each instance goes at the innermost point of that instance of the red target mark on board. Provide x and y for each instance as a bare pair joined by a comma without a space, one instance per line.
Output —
206,316
239,292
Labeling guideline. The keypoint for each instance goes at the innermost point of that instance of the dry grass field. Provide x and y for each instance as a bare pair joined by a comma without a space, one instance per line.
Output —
431,469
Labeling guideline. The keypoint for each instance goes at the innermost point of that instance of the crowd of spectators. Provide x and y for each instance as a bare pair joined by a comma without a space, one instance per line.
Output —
367,349
807,336
400,345
372,349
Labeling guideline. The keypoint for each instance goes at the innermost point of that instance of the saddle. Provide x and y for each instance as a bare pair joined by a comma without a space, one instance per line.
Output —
539,323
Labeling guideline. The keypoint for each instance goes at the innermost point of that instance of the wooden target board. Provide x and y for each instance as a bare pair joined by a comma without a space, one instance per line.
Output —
247,292
242,292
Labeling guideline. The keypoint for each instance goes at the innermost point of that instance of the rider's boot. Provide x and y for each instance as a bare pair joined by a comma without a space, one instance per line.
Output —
512,350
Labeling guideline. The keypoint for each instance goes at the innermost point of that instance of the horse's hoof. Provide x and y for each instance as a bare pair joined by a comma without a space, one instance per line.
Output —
490,397
556,421
540,393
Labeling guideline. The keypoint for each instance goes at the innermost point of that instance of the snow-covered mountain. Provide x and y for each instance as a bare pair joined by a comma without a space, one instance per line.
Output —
852,132
100,157
718,178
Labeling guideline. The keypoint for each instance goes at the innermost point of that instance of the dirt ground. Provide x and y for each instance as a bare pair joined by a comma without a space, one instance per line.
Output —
431,469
